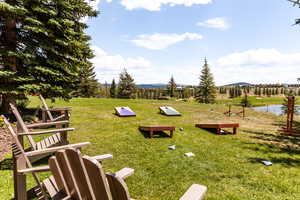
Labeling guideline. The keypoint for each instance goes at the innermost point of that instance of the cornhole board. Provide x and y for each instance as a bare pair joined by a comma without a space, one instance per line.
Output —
152,128
124,112
169,111
219,126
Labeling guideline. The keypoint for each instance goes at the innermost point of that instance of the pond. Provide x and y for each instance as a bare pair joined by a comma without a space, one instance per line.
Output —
276,109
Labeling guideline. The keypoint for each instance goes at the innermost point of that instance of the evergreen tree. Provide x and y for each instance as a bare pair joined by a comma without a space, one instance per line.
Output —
245,101
42,47
171,87
207,89
284,106
113,89
127,87
88,84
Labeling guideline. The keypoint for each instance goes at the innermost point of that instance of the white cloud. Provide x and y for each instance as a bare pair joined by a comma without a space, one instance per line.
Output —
108,67
160,41
218,23
258,66
155,5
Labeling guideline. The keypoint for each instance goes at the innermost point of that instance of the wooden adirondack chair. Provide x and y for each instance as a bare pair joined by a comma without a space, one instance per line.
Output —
58,137
83,178
23,166
46,111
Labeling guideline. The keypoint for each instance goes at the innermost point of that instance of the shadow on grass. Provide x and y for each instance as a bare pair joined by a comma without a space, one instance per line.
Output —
282,124
287,162
213,130
273,145
156,134
6,164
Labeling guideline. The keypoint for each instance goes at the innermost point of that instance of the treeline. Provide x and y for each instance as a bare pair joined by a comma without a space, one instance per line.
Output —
238,91
149,93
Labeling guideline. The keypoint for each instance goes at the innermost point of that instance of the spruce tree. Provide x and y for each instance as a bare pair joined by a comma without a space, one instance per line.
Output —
88,85
284,105
127,87
42,47
113,89
245,102
171,87
207,89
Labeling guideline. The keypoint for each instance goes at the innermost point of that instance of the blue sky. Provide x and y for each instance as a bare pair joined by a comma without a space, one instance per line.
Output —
249,40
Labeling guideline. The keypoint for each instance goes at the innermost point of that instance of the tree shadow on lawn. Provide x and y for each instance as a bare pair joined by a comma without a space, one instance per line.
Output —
274,144
282,124
7,163
287,162
156,134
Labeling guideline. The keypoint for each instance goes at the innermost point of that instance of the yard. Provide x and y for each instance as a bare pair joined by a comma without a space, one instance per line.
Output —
229,165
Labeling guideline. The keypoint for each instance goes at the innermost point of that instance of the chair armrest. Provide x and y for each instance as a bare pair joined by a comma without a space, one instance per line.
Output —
48,131
34,170
47,124
100,158
195,192
54,149
124,173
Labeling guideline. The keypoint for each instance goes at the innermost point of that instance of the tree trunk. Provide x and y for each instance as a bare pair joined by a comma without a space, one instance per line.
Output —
10,62
5,108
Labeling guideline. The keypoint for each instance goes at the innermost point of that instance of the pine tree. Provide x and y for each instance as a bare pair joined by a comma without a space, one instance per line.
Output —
171,87
245,101
88,84
42,47
207,89
113,89
127,87
284,105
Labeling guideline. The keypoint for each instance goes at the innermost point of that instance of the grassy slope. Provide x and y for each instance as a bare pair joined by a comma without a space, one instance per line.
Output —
229,165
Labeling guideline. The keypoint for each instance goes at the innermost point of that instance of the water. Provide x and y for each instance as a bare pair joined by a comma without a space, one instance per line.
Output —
276,109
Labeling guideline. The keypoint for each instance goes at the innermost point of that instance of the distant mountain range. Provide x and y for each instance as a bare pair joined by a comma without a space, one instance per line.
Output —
239,84
155,85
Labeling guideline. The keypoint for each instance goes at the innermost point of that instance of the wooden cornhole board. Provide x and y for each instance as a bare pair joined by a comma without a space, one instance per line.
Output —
169,111
153,128
124,112
219,126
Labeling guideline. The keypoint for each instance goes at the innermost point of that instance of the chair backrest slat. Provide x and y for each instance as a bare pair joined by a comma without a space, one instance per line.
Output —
23,125
97,178
118,187
46,107
80,174
68,175
58,176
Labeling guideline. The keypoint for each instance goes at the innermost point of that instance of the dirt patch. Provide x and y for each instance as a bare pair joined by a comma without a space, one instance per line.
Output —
5,142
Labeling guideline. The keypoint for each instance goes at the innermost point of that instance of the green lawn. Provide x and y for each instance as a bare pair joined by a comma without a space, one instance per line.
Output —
255,101
229,165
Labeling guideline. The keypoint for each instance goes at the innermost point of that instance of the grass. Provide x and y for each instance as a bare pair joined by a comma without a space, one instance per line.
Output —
229,165
255,101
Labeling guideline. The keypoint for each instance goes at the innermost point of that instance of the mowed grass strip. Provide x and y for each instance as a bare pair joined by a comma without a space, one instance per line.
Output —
229,165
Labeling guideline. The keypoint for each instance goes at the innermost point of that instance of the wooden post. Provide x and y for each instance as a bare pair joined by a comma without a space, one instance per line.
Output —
19,180
171,134
44,117
151,133
229,112
234,130
290,113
